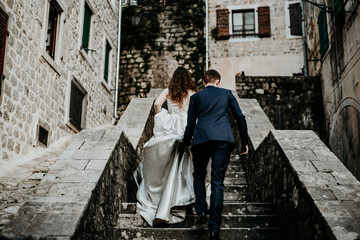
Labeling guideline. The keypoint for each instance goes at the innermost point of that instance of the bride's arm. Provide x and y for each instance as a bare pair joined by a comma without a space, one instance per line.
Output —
159,101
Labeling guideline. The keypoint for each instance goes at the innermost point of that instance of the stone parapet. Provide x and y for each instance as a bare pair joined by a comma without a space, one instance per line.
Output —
85,186
315,195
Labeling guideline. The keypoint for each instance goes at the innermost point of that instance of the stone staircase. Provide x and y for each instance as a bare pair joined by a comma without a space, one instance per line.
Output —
241,219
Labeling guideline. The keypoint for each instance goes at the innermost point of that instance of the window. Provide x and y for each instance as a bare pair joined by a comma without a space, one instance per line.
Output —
323,32
86,28
43,135
52,28
77,97
243,23
3,32
107,62
339,12
295,14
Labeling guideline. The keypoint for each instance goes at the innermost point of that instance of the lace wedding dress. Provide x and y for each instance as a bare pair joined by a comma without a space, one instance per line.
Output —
164,177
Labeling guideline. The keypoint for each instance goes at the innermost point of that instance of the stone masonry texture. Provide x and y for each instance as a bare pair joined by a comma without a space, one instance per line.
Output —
339,68
80,195
277,55
36,89
178,41
289,102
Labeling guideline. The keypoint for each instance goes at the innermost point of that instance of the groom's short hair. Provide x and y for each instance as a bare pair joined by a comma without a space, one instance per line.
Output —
210,76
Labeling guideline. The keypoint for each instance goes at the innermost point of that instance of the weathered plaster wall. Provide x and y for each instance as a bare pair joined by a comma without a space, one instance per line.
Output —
36,90
340,73
277,55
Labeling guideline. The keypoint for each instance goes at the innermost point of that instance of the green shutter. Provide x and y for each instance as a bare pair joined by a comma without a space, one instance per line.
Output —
107,56
323,32
339,12
86,28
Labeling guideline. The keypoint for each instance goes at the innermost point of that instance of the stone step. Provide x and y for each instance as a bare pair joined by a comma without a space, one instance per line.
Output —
236,163
234,180
234,168
229,208
235,192
147,233
228,221
232,174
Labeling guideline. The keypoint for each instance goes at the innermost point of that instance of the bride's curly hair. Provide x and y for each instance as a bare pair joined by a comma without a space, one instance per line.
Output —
180,83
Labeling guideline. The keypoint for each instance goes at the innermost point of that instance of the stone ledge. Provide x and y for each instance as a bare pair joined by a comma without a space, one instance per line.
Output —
83,189
315,194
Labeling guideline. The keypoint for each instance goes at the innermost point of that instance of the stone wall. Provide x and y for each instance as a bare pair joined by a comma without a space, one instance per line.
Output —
167,37
80,196
36,88
278,55
339,68
289,102
315,195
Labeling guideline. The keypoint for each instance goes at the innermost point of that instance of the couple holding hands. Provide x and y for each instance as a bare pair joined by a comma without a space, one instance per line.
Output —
174,175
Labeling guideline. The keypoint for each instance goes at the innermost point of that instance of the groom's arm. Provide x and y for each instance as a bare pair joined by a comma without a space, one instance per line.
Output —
240,120
191,123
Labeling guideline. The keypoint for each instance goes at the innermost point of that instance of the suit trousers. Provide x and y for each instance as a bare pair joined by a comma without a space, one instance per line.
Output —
219,152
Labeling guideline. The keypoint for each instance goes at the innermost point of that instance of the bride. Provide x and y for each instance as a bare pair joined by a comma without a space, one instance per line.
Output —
164,177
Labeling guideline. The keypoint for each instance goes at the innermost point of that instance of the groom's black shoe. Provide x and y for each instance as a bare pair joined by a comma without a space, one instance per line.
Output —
202,219
214,236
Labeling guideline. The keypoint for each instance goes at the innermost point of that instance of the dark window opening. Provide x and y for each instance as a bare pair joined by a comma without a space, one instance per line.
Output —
243,23
295,14
43,135
54,13
107,60
76,105
86,28
3,33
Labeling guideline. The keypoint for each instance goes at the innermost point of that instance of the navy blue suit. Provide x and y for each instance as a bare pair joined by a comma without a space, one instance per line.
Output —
209,125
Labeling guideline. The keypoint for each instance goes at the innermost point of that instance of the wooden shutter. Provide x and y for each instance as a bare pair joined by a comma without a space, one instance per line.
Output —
295,19
53,21
86,28
3,23
222,24
323,32
107,58
76,100
264,22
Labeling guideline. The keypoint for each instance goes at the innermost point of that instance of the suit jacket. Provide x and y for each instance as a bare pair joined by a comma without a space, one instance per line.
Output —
209,117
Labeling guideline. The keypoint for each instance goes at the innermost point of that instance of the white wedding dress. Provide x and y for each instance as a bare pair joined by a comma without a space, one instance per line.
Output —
164,177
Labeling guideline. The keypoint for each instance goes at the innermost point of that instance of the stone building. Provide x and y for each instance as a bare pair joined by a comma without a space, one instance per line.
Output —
333,40
257,37
58,70
156,39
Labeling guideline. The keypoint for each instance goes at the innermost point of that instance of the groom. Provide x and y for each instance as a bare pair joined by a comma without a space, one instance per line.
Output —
209,123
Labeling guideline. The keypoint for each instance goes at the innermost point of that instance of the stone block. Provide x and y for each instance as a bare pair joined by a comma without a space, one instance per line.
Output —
69,164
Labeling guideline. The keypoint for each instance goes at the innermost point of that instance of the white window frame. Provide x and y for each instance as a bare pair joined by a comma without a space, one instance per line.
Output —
86,55
287,21
111,77
243,7
56,62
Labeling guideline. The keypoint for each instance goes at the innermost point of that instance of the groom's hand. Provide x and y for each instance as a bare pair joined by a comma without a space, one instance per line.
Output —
244,150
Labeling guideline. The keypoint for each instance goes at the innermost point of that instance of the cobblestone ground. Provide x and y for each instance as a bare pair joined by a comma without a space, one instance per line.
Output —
21,183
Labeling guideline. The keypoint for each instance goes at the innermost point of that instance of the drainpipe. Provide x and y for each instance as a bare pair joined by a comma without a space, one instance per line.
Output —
118,63
207,34
306,70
